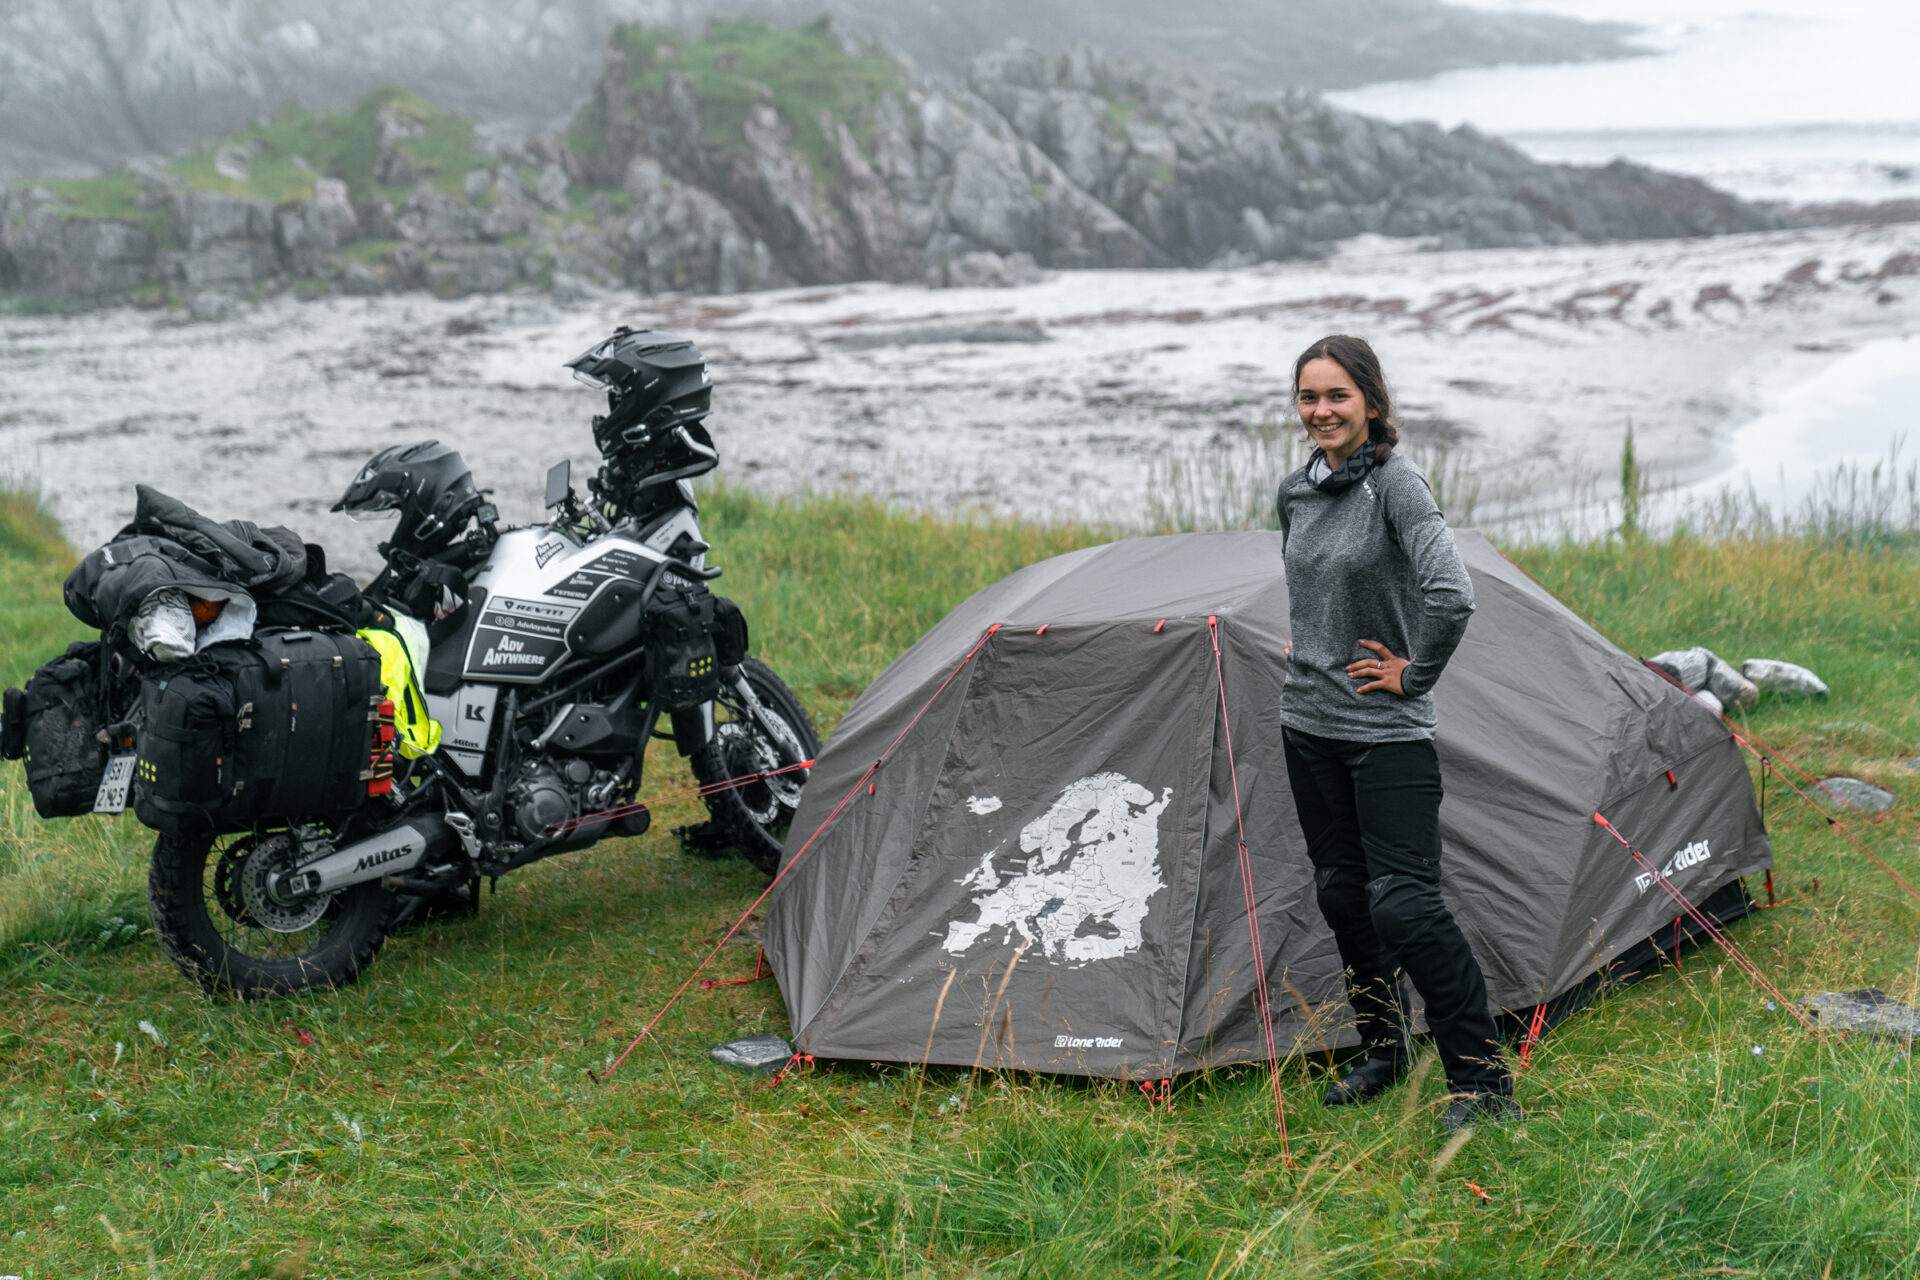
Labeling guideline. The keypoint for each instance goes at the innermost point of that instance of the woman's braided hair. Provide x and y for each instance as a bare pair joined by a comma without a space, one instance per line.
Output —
1363,366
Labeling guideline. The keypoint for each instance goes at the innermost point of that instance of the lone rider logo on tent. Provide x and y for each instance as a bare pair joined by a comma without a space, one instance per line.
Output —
1082,894
1691,856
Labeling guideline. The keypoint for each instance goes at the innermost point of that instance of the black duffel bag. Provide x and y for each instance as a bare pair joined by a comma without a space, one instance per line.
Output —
245,734
55,725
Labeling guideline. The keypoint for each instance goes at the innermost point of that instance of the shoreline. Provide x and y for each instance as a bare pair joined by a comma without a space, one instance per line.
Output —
1055,400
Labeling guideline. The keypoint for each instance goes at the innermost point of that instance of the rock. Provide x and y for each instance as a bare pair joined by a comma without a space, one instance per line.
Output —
679,238
227,266
1869,1010
566,287
984,269
455,271
307,232
360,280
233,161
204,308
377,218
391,127
1783,678
510,214
550,189
1706,699
1699,668
1852,793
201,218
762,1055
476,184
435,217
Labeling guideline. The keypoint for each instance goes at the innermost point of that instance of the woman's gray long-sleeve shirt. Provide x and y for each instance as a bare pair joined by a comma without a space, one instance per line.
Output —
1372,561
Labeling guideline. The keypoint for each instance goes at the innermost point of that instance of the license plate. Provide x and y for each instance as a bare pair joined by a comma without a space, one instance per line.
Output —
112,796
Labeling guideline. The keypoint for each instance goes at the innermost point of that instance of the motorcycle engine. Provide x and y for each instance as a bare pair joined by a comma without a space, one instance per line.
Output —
550,795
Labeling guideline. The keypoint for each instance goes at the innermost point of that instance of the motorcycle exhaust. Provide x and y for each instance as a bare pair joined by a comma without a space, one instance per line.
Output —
398,849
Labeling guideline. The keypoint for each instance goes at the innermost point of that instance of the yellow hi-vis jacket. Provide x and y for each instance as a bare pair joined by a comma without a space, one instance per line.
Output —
403,653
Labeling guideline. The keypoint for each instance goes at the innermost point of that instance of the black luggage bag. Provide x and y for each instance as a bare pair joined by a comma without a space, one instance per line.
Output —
242,735
55,725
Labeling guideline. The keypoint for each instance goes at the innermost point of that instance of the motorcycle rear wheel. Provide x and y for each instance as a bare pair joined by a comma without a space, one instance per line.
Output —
755,814
215,923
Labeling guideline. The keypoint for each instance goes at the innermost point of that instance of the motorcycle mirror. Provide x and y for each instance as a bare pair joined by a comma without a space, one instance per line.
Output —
559,483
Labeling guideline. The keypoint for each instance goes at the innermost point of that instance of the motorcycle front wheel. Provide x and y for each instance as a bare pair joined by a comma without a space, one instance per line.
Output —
217,921
755,810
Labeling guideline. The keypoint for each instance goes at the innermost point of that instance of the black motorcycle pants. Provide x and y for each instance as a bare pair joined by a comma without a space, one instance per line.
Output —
1370,812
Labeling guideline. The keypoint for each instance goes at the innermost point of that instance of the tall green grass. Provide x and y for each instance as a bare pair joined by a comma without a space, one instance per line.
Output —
443,1118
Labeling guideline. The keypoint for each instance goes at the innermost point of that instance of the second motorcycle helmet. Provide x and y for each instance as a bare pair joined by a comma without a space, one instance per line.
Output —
427,483
658,391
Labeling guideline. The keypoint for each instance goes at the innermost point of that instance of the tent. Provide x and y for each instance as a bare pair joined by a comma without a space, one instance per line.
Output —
1044,870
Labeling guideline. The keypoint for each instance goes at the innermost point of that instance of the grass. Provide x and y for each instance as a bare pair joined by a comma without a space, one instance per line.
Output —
807,71
290,150
438,1119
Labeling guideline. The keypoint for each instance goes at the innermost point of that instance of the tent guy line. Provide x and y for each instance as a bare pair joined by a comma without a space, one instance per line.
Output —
1747,738
1713,930
799,853
1246,884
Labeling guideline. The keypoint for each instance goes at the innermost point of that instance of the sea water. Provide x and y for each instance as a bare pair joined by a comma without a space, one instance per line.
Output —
1798,101
1806,101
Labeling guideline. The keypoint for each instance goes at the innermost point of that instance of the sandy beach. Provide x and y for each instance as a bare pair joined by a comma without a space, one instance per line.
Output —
1054,400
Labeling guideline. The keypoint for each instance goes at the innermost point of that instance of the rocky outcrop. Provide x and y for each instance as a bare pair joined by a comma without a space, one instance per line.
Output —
92,82
690,183
1211,176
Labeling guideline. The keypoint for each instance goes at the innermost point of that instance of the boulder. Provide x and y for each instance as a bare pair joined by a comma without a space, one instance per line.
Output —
1783,678
227,266
307,232
432,216
458,270
1706,698
1700,668
391,127
206,307
1853,793
550,189
361,280
234,161
1869,1010
202,218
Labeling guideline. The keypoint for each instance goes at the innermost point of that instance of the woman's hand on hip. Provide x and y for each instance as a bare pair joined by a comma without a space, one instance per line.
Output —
1383,669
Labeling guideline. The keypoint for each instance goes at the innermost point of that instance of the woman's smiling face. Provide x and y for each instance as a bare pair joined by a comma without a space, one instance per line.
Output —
1332,409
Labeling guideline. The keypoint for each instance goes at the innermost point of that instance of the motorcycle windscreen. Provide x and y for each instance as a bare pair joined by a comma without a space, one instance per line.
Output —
1044,917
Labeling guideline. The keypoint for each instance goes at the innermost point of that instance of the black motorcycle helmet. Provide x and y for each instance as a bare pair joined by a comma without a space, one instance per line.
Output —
427,483
658,391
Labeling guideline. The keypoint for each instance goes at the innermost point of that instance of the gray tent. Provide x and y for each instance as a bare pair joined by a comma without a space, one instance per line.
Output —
1067,798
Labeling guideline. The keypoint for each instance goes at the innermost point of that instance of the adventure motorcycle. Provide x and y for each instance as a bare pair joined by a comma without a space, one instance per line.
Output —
489,706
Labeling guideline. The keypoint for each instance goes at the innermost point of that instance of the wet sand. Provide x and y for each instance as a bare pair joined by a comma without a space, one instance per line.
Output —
1053,400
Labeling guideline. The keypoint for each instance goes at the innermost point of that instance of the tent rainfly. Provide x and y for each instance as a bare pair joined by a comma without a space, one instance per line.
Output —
1045,872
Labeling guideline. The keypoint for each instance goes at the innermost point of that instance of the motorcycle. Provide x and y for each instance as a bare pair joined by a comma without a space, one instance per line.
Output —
547,658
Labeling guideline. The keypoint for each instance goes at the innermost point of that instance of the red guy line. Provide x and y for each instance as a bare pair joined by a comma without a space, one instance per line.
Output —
1253,917
801,852
1713,930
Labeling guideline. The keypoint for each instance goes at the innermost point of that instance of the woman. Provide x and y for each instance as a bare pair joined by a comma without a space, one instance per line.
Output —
1379,599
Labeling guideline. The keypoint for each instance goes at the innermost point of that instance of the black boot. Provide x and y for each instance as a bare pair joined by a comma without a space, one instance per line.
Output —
1377,1073
1468,1110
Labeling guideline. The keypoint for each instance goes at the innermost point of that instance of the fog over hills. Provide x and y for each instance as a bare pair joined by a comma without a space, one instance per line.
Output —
85,84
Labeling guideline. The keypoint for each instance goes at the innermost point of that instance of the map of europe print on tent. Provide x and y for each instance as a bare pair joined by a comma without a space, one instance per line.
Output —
1082,868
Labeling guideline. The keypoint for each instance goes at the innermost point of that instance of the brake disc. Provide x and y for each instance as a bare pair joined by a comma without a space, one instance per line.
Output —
251,873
